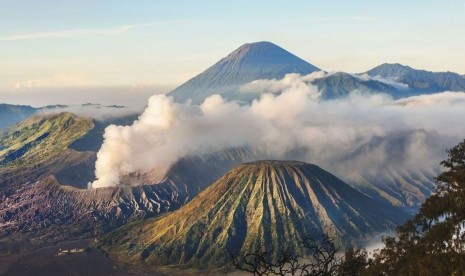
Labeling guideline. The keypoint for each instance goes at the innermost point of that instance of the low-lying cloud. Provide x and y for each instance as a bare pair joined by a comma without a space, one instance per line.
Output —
131,96
292,81
391,82
356,135
289,82
95,111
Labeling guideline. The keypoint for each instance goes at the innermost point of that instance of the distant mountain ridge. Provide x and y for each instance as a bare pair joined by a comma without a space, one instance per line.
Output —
420,81
341,84
269,205
252,61
12,114
265,60
390,70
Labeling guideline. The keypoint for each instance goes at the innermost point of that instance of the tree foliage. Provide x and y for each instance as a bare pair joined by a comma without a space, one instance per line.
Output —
355,261
433,242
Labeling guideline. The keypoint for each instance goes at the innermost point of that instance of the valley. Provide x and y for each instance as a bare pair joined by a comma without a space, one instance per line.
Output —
45,261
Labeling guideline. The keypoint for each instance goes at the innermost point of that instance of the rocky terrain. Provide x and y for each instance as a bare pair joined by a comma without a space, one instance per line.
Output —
46,212
44,196
270,205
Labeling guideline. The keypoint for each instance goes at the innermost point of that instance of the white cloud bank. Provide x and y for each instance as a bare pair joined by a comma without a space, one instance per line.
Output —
95,111
357,134
289,82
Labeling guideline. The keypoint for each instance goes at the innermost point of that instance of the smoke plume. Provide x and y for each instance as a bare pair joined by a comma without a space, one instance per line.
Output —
357,135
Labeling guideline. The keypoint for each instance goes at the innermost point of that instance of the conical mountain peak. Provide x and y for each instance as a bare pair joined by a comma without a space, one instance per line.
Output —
263,49
252,61
269,205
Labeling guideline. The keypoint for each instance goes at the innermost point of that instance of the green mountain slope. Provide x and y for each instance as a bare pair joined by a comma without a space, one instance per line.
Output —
263,204
39,146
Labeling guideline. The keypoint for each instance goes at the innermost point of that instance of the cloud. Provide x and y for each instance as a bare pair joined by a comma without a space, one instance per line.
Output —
57,80
289,82
95,111
360,135
444,99
391,82
86,32
132,96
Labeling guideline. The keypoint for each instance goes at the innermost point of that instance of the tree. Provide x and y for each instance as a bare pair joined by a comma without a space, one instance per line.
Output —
433,242
321,261
354,263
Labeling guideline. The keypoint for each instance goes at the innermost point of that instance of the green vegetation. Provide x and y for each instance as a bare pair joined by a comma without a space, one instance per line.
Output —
433,242
38,145
41,137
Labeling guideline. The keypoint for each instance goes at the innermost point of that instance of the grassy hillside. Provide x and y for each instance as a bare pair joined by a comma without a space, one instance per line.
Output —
39,145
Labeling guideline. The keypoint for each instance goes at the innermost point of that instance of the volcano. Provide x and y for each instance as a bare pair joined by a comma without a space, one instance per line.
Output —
252,61
270,205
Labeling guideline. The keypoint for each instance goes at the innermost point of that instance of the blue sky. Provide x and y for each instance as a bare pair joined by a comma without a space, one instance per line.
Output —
163,43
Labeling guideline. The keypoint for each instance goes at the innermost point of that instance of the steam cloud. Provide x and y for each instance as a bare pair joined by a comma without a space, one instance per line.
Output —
357,135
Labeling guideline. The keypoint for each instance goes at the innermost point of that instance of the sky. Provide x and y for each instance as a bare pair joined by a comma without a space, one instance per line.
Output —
150,47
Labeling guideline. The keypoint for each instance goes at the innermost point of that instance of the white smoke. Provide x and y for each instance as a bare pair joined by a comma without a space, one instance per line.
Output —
354,135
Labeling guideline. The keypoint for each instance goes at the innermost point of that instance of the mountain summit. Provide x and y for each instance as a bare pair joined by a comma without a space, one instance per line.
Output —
270,205
252,61
390,70
419,81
